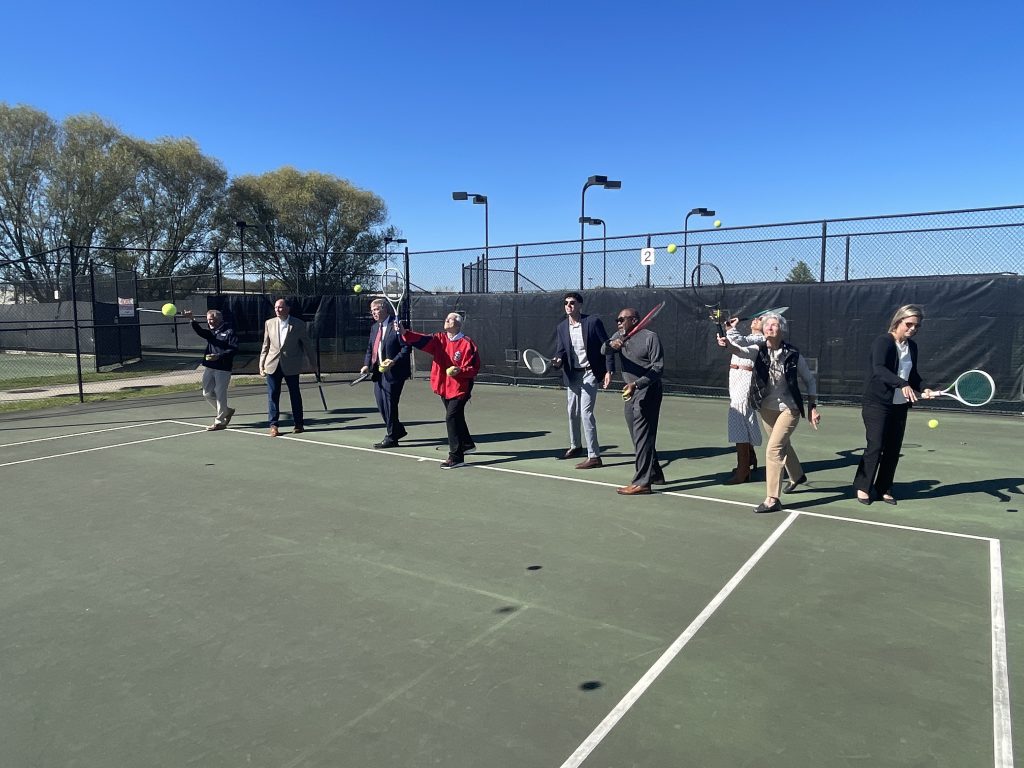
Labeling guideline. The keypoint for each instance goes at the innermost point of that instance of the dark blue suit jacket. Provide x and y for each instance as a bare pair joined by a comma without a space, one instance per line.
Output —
594,336
393,348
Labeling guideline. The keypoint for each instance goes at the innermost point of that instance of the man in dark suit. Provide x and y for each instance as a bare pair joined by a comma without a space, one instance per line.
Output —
578,353
286,347
388,360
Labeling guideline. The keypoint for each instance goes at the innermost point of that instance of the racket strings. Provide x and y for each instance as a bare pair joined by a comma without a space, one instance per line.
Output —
535,361
974,387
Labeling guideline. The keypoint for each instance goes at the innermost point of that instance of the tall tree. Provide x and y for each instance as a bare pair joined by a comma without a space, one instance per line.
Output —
170,211
309,226
801,273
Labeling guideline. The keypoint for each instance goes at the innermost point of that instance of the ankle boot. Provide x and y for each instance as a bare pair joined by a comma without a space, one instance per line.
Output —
742,472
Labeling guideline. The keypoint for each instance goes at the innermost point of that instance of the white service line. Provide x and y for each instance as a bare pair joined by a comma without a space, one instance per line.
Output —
605,726
83,434
100,448
1001,716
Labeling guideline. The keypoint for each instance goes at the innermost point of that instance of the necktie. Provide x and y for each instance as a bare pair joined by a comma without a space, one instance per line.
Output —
376,342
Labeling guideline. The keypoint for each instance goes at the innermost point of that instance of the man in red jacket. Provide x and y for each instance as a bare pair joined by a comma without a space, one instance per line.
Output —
456,364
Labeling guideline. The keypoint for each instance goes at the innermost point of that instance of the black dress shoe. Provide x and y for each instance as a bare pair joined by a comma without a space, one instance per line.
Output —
776,507
572,453
792,485
400,435
386,443
888,499
864,501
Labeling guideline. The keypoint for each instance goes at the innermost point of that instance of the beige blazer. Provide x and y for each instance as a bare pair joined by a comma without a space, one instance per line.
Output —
295,352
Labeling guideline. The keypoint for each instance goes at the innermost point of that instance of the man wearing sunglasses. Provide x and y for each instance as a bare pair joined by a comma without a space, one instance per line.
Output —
642,365
579,339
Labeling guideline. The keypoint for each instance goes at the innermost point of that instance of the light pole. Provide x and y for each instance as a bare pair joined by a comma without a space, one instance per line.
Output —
593,181
604,246
480,200
387,242
686,232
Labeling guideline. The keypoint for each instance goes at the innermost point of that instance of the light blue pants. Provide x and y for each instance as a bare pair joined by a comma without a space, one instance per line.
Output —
582,394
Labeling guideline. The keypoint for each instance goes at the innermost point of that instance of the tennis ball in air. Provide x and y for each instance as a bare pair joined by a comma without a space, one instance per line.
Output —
718,223
357,288
671,248
169,309
933,424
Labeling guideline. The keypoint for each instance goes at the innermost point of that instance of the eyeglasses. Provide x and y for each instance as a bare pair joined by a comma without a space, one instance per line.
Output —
912,325
624,318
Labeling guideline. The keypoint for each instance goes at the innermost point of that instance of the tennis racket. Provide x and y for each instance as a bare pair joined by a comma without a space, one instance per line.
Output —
974,388
535,362
392,289
762,313
319,386
646,320
709,288
360,378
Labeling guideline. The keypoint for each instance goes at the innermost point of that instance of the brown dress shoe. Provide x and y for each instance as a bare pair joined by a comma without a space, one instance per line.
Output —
274,431
298,430
590,464
573,453
634,490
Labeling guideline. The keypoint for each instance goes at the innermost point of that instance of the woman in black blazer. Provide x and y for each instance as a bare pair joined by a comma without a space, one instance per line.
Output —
893,385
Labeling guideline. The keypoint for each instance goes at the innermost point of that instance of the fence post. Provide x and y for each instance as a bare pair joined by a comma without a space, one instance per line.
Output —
647,280
824,242
515,277
74,315
216,271
846,271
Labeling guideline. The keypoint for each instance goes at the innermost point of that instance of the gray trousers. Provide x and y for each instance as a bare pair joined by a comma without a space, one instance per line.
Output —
215,390
581,395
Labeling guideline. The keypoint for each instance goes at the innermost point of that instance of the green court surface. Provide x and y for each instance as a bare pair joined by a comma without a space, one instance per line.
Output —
176,597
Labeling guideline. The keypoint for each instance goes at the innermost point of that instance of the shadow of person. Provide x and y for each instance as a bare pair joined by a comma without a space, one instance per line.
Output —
999,488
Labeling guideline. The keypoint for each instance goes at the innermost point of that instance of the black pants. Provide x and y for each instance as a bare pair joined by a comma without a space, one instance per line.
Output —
642,412
884,427
459,439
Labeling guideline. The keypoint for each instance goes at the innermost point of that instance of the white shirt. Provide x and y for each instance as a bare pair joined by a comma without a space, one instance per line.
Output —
579,348
282,329
902,370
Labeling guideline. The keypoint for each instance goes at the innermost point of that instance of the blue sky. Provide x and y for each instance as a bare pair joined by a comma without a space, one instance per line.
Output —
766,112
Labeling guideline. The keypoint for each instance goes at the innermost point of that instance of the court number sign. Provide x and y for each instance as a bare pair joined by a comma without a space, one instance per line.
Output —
647,257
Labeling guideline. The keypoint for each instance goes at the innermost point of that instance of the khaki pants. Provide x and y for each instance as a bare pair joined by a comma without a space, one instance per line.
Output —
779,453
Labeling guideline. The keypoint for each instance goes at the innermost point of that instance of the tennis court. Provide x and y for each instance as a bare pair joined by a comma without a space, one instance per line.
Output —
178,597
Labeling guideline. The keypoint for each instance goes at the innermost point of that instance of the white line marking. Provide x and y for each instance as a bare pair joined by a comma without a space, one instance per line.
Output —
1001,717
915,529
101,448
620,709
81,434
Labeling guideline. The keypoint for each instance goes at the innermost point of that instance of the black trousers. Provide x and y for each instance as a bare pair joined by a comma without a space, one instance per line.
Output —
642,413
884,427
459,439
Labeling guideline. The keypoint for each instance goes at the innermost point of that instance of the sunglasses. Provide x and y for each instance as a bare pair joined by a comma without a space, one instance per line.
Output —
571,301
624,318
912,325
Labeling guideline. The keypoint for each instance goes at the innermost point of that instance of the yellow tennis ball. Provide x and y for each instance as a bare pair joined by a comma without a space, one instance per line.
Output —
169,309
357,288
718,223
452,371
671,248
933,423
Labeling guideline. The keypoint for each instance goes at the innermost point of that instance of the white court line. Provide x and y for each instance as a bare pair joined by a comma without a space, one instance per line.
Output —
1000,674
100,448
605,726
1001,718
81,434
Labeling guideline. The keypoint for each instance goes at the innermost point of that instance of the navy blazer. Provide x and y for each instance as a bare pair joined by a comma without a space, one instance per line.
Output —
394,348
882,380
594,336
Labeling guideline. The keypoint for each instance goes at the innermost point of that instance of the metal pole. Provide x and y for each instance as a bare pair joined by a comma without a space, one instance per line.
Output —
604,254
583,215
846,272
686,232
487,247
824,241
74,315
647,269
515,277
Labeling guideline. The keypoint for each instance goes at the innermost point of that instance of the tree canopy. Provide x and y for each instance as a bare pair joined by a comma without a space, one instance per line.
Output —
801,273
162,208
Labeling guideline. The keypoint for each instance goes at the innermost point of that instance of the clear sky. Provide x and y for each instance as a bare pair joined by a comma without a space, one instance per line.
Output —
767,112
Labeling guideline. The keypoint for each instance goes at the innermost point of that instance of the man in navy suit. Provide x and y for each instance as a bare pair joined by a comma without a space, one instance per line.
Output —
390,362
578,353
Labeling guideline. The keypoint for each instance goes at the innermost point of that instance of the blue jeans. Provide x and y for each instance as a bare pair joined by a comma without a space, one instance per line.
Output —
274,396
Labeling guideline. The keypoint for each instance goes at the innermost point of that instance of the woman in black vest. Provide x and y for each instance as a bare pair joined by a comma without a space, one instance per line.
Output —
893,385
775,393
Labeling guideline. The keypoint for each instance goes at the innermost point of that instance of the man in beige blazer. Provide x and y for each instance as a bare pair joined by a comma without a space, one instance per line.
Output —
286,348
